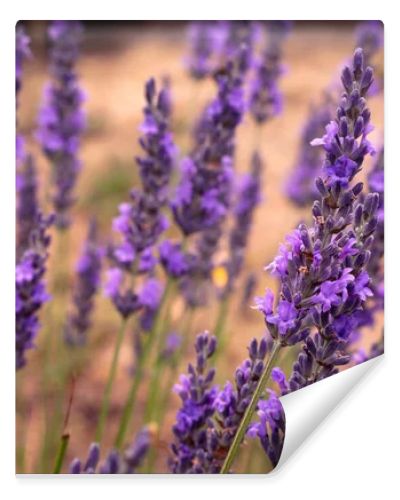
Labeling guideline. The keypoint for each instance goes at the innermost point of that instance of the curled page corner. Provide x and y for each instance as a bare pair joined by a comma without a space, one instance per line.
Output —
306,408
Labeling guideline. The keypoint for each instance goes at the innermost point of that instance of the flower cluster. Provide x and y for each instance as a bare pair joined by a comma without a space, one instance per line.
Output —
141,222
265,96
300,187
88,280
209,417
27,203
206,40
270,427
323,269
198,394
247,198
30,288
22,51
115,462
203,196
156,166
61,118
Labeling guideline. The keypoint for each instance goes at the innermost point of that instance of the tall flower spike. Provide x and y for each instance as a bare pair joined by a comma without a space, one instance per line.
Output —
205,40
300,186
114,463
30,288
323,269
22,51
87,282
141,222
270,427
265,96
61,118
247,198
156,165
27,204
203,196
197,393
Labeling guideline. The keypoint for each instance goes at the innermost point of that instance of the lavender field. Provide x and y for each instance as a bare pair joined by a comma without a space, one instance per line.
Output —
184,255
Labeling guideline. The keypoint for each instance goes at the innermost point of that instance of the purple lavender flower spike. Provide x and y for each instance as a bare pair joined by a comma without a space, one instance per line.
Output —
136,453
369,36
22,51
265,96
375,264
27,203
87,283
270,429
197,393
206,40
248,196
30,288
156,165
301,187
175,262
61,118
140,222
323,269
114,463
203,196
209,417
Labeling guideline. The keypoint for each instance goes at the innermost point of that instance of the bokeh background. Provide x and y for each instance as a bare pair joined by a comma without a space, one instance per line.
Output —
116,60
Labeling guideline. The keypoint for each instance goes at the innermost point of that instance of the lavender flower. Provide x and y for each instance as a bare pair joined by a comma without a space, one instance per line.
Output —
369,36
265,96
156,166
197,392
88,280
323,269
375,264
209,417
27,203
141,222
206,40
270,429
115,462
300,186
61,118
22,51
248,197
30,288
204,194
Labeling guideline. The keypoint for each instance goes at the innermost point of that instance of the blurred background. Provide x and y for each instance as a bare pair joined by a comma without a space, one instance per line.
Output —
116,60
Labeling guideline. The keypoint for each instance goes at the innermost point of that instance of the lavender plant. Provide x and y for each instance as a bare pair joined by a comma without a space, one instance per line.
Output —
22,51
322,270
140,224
61,117
300,186
265,99
27,203
206,40
31,288
115,462
87,283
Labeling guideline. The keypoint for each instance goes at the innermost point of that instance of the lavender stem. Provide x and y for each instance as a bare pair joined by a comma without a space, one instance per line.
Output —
248,415
61,453
130,402
110,381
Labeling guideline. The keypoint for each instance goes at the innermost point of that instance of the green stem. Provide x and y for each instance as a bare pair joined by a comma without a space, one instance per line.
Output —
110,381
61,454
130,402
248,415
160,334
176,362
220,325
